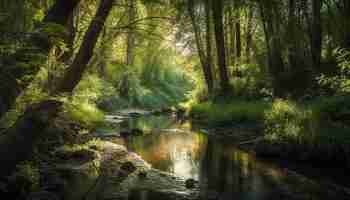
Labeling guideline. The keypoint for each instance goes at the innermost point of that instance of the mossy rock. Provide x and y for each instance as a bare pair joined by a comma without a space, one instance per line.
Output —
81,154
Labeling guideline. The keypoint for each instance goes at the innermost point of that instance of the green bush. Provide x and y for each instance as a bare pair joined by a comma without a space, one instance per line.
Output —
249,82
286,121
338,83
152,83
25,179
314,130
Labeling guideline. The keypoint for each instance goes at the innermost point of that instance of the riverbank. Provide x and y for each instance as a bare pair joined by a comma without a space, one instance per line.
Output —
97,165
310,132
119,172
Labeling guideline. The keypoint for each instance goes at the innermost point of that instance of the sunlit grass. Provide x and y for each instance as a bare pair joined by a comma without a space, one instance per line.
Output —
234,111
309,127
85,113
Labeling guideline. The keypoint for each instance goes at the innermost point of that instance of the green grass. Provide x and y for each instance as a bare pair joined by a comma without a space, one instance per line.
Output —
316,129
313,130
85,113
234,111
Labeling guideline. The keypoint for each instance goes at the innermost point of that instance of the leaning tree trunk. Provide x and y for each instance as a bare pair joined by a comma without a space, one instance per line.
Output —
220,45
17,142
74,73
59,14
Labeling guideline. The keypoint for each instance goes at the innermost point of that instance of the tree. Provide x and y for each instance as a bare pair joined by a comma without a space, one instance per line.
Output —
205,58
316,36
220,45
131,35
208,38
59,14
269,11
30,127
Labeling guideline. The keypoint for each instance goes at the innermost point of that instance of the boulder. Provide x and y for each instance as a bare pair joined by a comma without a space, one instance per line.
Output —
136,132
142,174
190,183
128,167
125,133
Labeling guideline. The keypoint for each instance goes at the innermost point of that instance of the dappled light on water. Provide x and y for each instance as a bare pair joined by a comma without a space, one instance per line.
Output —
221,169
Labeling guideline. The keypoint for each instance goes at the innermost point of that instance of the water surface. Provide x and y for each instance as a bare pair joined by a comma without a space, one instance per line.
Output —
223,171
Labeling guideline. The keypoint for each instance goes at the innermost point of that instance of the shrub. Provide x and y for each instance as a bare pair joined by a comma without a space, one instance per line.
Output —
155,84
25,179
286,121
338,83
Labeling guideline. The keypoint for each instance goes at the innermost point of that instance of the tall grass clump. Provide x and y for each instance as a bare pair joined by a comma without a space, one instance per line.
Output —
224,113
310,131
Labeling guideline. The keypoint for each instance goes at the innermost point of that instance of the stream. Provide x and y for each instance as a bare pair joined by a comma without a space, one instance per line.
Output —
222,170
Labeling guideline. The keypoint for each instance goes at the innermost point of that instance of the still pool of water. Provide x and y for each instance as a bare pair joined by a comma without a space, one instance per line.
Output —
223,171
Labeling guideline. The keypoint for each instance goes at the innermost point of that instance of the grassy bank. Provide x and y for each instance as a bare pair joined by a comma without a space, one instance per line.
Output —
317,130
215,114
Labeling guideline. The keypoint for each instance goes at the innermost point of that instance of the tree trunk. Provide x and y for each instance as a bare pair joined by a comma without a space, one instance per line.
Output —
206,66
209,61
59,14
61,11
20,139
292,50
316,33
71,30
74,73
227,39
275,61
249,36
238,38
220,45
131,35
232,38
346,13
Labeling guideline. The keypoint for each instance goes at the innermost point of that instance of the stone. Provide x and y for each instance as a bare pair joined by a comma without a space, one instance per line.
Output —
94,147
128,167
124,133
142,174
190,183
137,132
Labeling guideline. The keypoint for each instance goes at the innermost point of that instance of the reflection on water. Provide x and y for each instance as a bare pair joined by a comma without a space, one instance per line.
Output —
222,170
